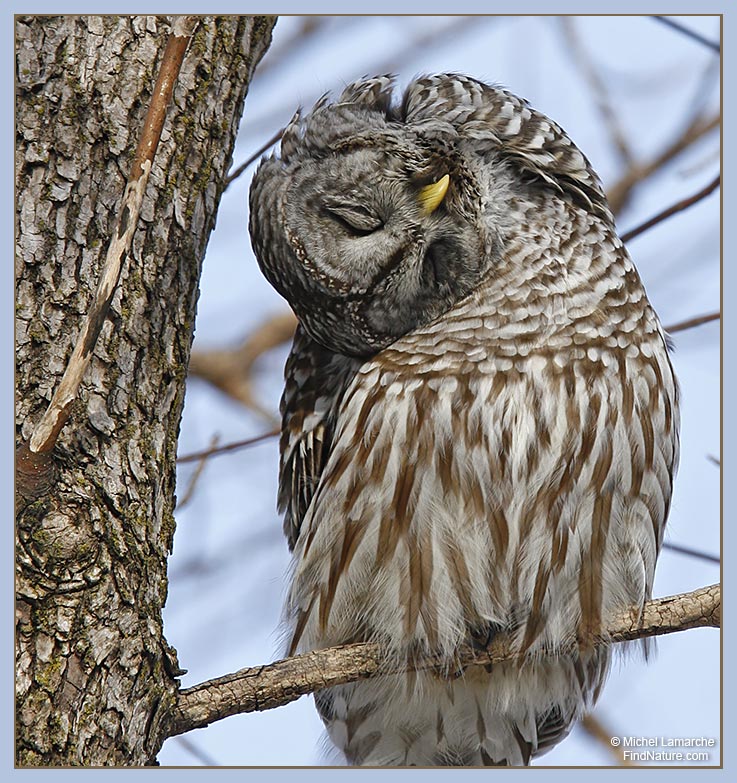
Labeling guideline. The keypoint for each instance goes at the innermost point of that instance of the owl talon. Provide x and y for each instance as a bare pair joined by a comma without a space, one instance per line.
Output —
481,637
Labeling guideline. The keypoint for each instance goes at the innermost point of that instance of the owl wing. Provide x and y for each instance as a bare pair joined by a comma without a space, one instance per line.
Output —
315,379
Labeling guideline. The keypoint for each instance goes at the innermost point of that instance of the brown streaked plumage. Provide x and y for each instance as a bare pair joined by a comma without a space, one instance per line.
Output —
480,418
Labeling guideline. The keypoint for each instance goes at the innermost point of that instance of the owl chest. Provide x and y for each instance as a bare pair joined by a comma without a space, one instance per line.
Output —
412,533
458,501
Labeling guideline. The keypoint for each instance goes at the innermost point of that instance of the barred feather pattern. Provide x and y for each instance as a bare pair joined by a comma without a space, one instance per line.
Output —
506,465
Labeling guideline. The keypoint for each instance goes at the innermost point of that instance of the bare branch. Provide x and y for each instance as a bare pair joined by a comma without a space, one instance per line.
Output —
256,155
217,450
419,45
703,90
195,750
598,88
702,39
596,729
230,370
685,550
34,457
292,46
276,684
690,323
199,468
714,460
618,195
679,206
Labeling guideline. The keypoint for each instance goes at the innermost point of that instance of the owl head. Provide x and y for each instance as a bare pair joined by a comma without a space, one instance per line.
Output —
377,218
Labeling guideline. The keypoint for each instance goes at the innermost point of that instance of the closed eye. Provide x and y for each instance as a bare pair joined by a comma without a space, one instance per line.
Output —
354,219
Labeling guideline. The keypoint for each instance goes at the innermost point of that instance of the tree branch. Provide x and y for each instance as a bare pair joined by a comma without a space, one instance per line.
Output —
618,195
576,48
702,39
227,447
679,206
34,464
687,550
196,474
265,687
690,323
602,735
254,157
231,370
195,750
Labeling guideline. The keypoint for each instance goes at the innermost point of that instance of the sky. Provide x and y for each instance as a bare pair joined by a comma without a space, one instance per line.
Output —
227,572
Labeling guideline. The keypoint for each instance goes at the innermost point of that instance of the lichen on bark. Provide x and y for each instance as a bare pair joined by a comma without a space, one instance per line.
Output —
96,681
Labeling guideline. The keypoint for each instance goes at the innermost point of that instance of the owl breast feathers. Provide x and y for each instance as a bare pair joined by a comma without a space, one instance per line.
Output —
480,417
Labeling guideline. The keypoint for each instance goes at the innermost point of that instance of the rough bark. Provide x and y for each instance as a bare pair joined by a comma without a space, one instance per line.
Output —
95,682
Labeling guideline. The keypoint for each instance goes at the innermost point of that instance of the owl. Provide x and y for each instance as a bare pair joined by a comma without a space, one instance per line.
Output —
479,421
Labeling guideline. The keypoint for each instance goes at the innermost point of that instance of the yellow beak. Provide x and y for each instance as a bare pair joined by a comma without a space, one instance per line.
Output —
432,195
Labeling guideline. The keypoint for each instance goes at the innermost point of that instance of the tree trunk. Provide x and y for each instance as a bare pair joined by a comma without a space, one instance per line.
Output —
95,681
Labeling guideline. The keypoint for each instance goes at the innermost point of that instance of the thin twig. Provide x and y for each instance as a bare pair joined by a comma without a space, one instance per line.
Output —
596,729
276,684
702,91
618,195
448,34
690,323
598,89
431,41
702,39
715,460
200,467
195,750
256,155
679,206
685,550
217,450
231,370
291,46
34,457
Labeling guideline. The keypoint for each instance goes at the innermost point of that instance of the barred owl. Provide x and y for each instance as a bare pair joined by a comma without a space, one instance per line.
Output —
480,417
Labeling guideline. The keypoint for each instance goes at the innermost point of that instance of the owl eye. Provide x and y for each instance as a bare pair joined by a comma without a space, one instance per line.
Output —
354,218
